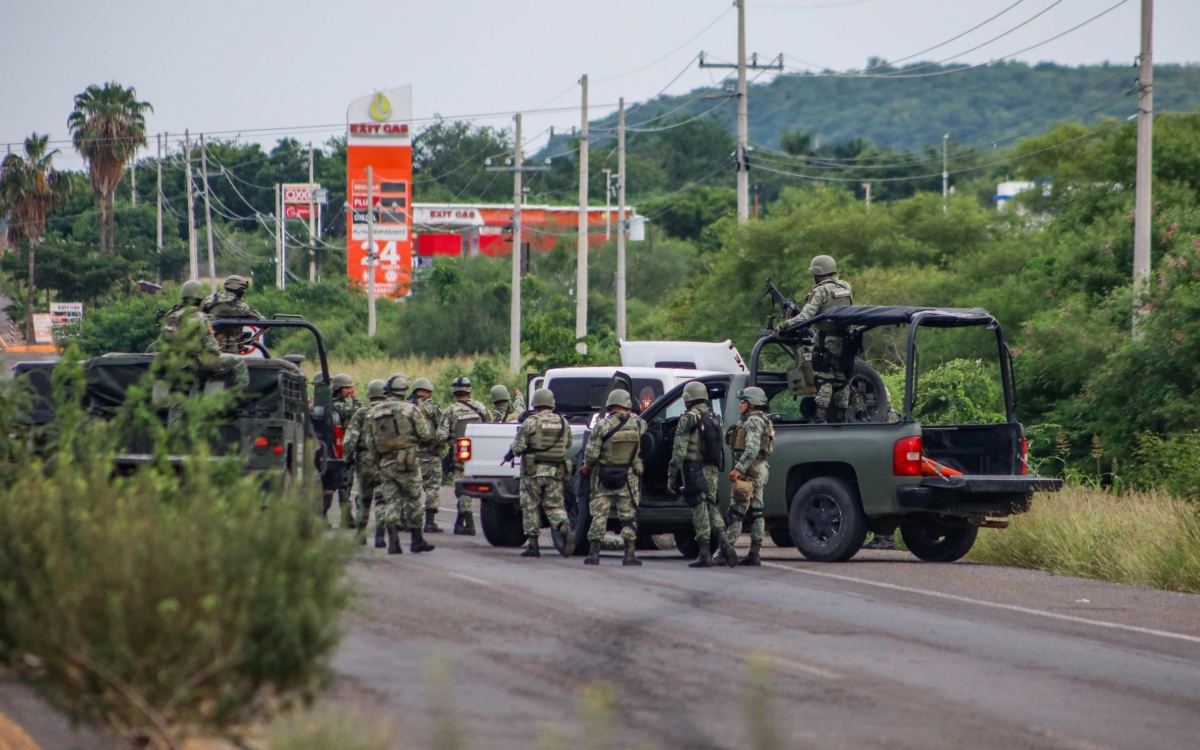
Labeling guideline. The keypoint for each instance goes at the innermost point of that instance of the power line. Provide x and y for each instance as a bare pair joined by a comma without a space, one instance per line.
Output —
951,39
672,52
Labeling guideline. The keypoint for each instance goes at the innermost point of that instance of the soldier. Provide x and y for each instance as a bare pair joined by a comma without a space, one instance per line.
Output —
542,442
346,403
831,375
229,304
429,452
397,387
352,451
209,361
453,426
393,429
612,462
752,440
693,439
503,409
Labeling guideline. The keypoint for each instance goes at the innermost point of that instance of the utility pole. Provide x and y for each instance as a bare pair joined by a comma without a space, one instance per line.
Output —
517,167
312,226
212,261
370,251
133,180
193,254
867,187
621,219
945,169
159,139
607,203
742,158
581,262
280,273
1145,142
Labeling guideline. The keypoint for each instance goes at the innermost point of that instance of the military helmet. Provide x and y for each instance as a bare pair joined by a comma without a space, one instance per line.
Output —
619,397
237,284
499,393
461,384
341,380
542,397
318,379
397,385
694,391
375,389
193,289
423,384
753,395
823,265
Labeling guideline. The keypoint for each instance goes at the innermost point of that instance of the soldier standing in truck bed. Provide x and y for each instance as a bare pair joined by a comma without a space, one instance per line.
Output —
832,377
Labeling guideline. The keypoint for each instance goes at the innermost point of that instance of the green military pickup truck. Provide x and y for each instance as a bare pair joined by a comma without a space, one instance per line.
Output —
832,483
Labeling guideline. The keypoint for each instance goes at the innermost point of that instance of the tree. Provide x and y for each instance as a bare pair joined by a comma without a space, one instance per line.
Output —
29,188
107,127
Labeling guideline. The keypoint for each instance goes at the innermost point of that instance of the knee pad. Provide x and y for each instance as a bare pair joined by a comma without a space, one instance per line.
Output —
735,514
629,523
754,514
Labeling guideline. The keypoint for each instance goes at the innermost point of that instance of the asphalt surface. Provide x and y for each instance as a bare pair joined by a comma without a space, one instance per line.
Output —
882,651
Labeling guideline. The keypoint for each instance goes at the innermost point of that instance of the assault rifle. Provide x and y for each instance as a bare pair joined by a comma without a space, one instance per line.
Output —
790,309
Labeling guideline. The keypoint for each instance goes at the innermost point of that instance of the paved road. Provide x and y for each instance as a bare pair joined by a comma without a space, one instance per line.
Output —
883,651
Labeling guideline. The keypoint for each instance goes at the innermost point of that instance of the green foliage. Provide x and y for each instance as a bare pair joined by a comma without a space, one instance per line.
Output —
960,391
1170,462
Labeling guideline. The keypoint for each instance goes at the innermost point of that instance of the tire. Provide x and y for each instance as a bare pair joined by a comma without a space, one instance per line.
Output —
781,536
501,524
685,542
933,540
579,518
826,520
868,395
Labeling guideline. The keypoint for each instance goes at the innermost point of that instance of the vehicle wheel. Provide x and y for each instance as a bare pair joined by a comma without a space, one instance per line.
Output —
933,540
501,523
685,542
781,537
868,395
579,518
826,520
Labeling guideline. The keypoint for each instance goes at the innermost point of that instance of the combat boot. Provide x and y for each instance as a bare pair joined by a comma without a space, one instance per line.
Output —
468,528
531,549
839,415
379,543
593,557
431,526
881,542
459,525
819,417
347,515
568,535
726,554
705,560
418,542
753,559
393,540
630,557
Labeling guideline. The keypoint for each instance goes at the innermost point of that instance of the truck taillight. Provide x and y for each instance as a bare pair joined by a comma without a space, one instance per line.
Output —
1024,455
906,457
462,450
338,435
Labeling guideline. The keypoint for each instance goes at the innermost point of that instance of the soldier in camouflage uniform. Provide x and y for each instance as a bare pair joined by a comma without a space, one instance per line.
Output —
228,303
210,362
429,452
455,418
685,453
612,461
832,378
346,404
752,440
363,488
503,409
542,442
393,429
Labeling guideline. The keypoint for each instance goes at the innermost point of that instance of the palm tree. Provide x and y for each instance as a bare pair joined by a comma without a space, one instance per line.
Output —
107,127
29,188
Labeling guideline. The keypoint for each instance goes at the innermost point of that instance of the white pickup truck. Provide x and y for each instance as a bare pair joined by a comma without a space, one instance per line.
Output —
648,370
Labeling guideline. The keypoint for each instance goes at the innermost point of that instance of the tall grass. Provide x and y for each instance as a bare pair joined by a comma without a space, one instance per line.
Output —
483,370
1143,538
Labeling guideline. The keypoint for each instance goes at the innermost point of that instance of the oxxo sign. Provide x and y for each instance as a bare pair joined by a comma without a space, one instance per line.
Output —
297,199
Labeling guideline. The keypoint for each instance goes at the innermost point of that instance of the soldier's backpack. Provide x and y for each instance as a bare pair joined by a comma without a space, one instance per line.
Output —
712,450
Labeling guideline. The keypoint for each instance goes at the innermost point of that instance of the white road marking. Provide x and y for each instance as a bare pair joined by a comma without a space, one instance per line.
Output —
468,579
993,605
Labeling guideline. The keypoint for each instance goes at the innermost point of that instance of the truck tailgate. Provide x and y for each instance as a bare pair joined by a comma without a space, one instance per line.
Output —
489,443
992,483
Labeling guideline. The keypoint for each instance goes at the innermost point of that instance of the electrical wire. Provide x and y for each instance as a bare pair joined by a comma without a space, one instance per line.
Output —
951,39
672,52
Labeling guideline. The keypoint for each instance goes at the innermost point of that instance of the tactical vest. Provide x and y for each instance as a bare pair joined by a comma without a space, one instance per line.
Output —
427,409
463,415
840,295
548,444
621,448
394,429
766,444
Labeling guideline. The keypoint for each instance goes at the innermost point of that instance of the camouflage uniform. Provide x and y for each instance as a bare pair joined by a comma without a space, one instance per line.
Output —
453,425
346,409
429,452
705,515
227,304
392,431
354,453
832,380
542,441
615,442
506,415
752,440
210,361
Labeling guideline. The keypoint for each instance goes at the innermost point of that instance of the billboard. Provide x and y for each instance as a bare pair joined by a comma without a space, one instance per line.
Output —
378,135
300,200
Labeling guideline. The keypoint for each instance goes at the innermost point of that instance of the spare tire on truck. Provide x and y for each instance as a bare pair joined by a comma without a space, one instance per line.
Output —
869,400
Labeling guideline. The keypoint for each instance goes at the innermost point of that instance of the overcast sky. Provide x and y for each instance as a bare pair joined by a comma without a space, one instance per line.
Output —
225,66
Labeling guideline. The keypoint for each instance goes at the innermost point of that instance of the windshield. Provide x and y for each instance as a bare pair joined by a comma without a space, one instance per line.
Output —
581,396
